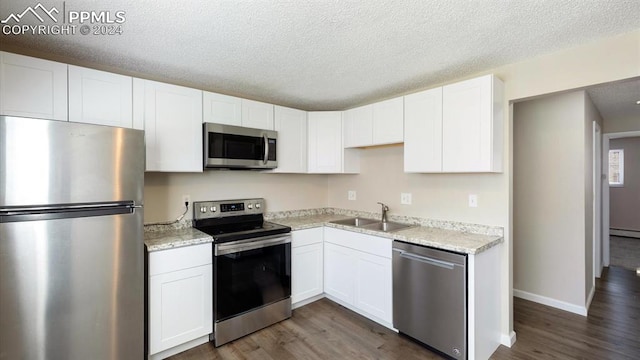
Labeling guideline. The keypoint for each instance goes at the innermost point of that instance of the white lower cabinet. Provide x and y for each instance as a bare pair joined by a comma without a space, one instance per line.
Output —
358,273
306,265
180,299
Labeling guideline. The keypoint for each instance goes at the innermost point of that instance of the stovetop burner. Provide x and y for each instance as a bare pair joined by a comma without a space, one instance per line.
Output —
232,220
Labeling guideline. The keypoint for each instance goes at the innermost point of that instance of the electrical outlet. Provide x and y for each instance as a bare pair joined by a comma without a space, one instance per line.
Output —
186,199
473,200
405,198
351,195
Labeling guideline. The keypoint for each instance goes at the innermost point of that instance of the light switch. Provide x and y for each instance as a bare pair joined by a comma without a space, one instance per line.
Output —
351,195
473,200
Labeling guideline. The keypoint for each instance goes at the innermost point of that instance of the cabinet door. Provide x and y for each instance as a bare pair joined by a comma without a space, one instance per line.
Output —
339,272
98,97
388,122
291,125
325,142
221,109
423,131
173,125
180,307
358,126
373,289
257,114
31,87
306,274
467,125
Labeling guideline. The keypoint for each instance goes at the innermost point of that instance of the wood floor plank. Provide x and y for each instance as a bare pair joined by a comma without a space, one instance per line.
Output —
326,330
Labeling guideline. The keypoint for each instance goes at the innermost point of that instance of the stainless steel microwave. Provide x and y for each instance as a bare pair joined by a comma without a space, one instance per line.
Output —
235,147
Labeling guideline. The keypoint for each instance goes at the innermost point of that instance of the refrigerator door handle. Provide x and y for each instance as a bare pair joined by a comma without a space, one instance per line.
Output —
62,211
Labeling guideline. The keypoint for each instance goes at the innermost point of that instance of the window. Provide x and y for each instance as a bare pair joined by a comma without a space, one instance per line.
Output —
616,167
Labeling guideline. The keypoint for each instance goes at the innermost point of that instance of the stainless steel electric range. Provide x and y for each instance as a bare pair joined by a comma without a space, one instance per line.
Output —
251,266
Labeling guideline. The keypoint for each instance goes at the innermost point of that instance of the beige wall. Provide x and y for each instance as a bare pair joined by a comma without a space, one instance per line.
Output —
549,197
621,125
435,196
163,191
625,201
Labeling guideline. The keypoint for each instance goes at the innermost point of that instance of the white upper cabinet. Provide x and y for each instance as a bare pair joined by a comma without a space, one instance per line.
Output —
388,121
102,98
31,87
456,128
326,153
172,117
358,126
221,109
376,124
257,114
472,125
423,131
291,125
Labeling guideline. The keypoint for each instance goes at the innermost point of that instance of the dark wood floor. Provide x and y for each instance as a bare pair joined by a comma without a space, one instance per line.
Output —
325,330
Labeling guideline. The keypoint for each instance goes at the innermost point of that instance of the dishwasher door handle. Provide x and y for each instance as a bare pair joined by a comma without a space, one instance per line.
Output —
426,260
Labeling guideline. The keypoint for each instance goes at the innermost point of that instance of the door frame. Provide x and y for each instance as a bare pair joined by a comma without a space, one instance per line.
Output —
597,201
606,138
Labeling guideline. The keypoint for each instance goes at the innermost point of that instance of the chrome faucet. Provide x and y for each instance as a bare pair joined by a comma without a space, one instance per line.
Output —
385,208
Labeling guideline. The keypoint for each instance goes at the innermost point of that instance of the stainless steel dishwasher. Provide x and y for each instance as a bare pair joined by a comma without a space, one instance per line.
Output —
430,297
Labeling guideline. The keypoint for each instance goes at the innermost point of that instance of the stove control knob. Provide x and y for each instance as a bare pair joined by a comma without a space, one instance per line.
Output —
213,209
203,209
249,206
257,205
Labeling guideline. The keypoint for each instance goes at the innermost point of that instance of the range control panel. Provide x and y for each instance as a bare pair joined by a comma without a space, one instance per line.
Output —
222,208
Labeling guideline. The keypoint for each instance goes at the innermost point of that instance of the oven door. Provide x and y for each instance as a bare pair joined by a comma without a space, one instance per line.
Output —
227,146
249,274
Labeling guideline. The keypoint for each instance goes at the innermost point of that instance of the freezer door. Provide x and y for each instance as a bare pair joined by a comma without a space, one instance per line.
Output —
72,288
56,162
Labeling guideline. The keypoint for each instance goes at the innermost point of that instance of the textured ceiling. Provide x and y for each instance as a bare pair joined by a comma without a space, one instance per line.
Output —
617,100
327,54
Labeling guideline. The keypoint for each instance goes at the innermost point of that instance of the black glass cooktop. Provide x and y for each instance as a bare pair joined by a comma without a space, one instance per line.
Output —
238,230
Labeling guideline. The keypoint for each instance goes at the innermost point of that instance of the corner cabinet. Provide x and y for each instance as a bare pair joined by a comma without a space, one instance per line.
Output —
102,98
358,273
180,299
172,117
291,125
307,263
326,153
31,87
456,128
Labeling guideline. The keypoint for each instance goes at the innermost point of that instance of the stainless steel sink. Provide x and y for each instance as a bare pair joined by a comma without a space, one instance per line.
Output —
357,222
387,227
372,224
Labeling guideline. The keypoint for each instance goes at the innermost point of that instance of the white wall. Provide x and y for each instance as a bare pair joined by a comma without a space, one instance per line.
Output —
163,191
549,197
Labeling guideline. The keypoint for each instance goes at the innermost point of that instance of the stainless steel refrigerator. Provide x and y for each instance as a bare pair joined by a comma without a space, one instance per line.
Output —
71,246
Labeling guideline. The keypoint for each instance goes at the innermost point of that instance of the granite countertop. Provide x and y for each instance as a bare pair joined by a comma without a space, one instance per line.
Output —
162,239
458,241
458,237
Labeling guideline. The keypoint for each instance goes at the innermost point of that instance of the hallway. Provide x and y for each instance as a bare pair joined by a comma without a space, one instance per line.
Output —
625,252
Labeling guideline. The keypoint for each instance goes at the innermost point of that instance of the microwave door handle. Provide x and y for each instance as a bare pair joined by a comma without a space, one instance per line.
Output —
266,149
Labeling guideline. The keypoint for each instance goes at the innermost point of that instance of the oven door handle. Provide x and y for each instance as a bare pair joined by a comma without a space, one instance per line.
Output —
244,245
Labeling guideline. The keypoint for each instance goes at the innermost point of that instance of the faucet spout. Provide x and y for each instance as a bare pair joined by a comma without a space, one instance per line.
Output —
385,208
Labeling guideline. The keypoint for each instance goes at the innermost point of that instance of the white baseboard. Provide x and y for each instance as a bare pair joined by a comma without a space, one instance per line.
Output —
508,340
307,301
625,233
558,304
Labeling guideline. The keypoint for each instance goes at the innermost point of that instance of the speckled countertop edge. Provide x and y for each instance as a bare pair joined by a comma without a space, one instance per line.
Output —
448,235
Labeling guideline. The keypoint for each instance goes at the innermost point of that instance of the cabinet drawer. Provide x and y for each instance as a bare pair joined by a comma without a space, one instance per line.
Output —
169,260
370,244
306,237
